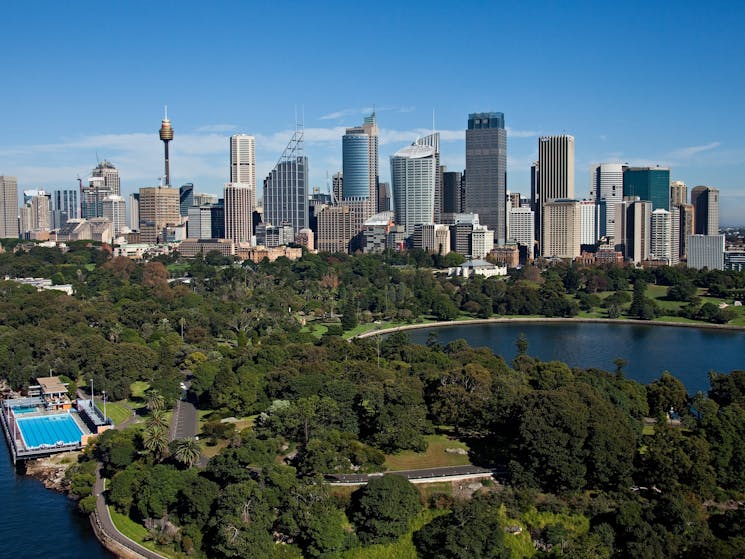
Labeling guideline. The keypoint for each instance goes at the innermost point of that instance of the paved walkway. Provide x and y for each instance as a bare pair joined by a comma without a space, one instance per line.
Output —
184,422
105,528
424,475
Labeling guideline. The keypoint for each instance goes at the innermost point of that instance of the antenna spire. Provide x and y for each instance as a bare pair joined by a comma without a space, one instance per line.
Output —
165,112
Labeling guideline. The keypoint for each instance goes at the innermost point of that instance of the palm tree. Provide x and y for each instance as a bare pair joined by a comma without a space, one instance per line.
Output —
154,401
155,441
187,451
157,420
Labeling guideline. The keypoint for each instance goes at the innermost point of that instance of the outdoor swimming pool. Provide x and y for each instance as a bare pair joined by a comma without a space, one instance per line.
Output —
49,430
24,409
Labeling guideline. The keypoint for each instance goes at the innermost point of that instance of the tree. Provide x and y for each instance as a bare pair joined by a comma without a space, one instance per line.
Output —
383,509
241,523
522,344
665,394
154,401
472,531
186,451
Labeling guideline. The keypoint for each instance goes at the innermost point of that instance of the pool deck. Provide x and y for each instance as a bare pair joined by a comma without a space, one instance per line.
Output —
16,444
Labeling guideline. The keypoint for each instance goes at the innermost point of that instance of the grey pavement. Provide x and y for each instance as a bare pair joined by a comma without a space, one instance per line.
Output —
184,422
107,526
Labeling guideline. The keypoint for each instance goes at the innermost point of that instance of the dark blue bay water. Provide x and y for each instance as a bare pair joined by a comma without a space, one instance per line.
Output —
688,353
37,522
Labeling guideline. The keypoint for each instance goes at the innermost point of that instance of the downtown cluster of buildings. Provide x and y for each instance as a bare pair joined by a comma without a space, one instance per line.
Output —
634,214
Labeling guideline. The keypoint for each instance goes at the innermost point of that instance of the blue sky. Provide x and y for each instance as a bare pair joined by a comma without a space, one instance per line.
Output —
638,82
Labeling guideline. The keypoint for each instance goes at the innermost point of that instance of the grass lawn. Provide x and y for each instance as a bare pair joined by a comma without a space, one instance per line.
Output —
401,549
117,412
434,457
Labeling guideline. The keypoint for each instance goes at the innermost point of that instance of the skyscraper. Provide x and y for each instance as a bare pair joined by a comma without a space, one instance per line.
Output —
186,198
554,177
562,228
8,207
678,193
239,206
433,140
486,171
66,201
633,227
110,175
360,168
660,245
413,171
606,184
286,187
114,209
134,211
451,195
243,159
158,207
705,201
648,183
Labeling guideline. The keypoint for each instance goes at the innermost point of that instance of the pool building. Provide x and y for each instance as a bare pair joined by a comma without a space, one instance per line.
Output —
46,422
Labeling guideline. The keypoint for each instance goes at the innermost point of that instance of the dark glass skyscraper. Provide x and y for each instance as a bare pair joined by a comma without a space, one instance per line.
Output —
648,183
486,171
186,198
356,165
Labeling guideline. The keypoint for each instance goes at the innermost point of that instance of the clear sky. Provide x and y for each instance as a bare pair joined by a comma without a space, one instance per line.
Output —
640,82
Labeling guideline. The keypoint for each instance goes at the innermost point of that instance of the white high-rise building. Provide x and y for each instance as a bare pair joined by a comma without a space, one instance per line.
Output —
660,242
243,159
706,251
606,183
522,228
239,207
8,207
674,235
114,209
587,222
134,210
199,225
482,241
413,181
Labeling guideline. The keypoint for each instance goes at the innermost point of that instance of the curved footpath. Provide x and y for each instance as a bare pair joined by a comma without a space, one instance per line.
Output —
547,320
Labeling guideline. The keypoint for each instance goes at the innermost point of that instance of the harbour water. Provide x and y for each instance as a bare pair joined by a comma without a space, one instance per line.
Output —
687,353
38,522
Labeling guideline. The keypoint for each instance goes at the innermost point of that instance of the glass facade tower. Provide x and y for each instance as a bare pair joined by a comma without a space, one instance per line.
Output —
648,183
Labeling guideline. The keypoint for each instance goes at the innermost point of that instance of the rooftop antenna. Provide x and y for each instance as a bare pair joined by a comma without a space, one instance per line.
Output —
433,120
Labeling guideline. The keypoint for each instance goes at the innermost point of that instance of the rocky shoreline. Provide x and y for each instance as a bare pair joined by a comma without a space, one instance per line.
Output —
52,469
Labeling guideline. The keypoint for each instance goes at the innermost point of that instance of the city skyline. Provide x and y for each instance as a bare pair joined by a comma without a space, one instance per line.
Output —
659,114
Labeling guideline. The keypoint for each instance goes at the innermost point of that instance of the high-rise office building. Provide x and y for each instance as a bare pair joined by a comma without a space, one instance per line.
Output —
433,140
114,209
91,204
239,206
286,187
634,223
678,193
134,211
335,228
648,183
186,198
451,195
337,188
110,175
413,171
243,159
705,201
385,201
606,185
35,214
66,202
361,167
8,207
158,207
686,228
561,228
554,180
486,171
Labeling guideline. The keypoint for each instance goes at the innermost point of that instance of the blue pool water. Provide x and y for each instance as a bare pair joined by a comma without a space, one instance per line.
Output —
49,430
24,409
